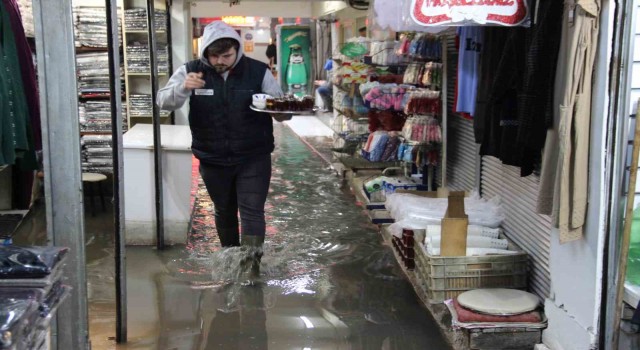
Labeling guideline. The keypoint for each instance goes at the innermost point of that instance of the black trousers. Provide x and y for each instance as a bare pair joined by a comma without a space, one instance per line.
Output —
243,188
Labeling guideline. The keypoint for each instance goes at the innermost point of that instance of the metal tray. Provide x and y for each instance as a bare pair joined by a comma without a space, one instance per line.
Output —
284,112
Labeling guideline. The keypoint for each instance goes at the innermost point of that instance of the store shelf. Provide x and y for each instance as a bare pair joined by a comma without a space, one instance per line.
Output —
137,74
143,31
87,49
359,163
150,116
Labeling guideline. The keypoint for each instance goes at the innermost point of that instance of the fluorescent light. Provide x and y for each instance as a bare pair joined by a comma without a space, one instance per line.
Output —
307,322
306,349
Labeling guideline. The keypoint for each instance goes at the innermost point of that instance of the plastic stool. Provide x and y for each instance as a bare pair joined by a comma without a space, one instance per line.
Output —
92,179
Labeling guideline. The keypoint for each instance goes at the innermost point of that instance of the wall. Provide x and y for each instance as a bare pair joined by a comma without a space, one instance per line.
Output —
320,9
260,42
253,8
573,307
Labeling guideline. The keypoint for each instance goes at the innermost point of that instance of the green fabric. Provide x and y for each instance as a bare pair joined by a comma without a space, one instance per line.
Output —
14,113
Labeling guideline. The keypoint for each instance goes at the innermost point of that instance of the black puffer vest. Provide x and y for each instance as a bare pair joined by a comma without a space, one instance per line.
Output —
224,129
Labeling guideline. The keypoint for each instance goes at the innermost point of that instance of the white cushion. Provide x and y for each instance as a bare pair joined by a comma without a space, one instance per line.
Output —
499,301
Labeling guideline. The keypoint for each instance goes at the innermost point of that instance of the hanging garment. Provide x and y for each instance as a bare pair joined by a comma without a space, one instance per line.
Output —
471,41
27,70
500,111
565,166
13,106
494,41
535,112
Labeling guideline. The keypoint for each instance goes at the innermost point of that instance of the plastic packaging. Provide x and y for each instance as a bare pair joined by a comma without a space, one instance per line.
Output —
478,251
472,242
472,230
18,320
29,262
426,211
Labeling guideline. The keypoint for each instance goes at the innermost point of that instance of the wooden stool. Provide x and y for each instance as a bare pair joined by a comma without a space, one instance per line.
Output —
92,179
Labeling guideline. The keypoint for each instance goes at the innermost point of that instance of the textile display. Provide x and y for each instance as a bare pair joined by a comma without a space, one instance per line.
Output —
95,116
90,24
135,19
97,154
138,58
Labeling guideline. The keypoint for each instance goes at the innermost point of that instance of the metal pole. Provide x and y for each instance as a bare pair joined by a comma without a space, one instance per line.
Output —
443,94
170,49
157,142
118,167
61,152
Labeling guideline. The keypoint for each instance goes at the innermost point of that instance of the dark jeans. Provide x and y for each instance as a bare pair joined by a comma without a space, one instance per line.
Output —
326,93
244,187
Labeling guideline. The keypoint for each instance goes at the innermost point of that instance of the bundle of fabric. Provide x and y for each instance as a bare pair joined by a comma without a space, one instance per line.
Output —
97,154
135,19
387,97
31,290
91,26
381,146
423,130
385,52
95,116
138,58
93,75
140,105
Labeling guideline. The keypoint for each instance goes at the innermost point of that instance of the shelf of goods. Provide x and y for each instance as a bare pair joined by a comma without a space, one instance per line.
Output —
402,112
137,73
94,92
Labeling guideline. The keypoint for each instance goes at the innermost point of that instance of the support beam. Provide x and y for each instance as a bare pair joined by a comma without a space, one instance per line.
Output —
61,152
118,170
157,142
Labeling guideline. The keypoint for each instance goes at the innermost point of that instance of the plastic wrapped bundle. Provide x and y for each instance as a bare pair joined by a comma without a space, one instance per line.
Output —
29,262
18,323
430,211
472,242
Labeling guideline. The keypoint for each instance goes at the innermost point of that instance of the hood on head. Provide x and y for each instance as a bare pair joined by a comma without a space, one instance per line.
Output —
218,30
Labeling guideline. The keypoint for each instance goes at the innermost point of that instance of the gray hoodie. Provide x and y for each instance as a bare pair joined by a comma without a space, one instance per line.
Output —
174,95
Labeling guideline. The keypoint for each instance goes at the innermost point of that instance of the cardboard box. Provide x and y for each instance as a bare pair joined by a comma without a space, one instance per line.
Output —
454,227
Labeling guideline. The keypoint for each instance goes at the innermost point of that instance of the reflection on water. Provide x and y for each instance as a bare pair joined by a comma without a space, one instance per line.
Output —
327,281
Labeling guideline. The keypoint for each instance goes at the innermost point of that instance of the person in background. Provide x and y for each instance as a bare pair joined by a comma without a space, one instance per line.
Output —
326,90
362,32
232,142
272,54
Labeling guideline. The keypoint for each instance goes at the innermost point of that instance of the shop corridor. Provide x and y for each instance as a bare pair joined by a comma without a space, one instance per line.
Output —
328,282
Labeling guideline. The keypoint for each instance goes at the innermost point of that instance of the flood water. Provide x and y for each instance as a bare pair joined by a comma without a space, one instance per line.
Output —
327,280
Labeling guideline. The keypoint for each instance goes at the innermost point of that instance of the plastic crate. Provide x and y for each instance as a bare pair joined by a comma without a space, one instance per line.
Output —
445,277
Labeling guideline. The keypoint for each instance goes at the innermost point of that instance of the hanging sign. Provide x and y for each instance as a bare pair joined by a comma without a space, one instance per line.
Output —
469,12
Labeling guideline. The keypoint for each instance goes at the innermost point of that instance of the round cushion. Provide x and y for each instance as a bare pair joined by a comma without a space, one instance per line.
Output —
93,177
499,301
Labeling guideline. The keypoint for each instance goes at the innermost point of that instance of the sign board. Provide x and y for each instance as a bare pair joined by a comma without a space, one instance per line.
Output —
469,12
248,46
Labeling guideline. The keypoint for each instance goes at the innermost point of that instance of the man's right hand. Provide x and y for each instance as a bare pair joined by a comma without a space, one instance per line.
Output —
194,81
